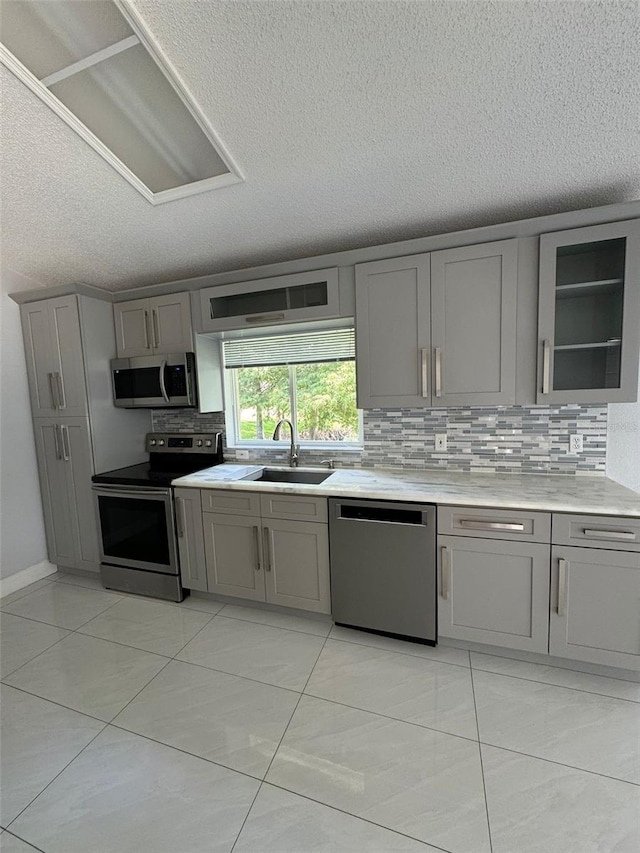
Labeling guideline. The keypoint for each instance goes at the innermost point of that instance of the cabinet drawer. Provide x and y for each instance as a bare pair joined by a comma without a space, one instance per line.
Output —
236,503
514,525
295,507
597,531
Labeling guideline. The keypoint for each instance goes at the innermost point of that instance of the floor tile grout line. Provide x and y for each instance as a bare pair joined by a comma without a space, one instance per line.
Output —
550,665
398,652
29,804
561,764
28,592
55,643
246,817
266,624
388,717
484,783
356,816
19,837
562,686
59,704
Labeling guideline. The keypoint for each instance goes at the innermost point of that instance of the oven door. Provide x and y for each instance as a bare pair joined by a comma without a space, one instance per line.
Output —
137,528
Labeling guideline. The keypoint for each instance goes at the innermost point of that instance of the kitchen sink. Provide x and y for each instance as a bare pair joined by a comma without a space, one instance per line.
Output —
277,475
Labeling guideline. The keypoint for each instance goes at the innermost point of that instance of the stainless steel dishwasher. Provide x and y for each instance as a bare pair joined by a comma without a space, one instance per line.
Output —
383,567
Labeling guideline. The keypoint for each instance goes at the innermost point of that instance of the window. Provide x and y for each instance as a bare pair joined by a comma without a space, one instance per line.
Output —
99,69
307,377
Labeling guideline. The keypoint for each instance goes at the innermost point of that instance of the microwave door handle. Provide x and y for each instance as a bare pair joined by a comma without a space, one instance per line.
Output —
163,387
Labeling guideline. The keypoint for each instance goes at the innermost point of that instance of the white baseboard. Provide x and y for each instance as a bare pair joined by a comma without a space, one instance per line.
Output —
26,576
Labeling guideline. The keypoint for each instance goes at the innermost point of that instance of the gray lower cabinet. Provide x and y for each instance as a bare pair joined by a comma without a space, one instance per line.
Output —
233,553
188,509
494,592
65,466
473,324
595,606
297,564
257,554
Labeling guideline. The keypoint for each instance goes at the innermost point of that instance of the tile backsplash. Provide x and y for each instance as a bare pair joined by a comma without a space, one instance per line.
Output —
516,438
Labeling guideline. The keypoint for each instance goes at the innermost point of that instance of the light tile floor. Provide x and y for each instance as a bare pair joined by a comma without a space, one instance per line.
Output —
135,726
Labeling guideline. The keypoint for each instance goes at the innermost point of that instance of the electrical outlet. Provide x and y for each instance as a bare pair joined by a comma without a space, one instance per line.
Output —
441,442
575,444
242,454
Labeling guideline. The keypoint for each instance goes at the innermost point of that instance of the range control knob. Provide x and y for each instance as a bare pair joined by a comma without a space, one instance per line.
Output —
208,443
161,442
152,442
199,443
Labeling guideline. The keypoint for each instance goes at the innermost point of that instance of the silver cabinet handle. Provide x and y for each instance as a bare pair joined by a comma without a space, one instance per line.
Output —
256,533
55,438
267,549
517,527
438,372
424,371
610,534
52,392
546,367
163,387
562,587
62,397
262,318
180,518
156,328
66,446
146,330
445,573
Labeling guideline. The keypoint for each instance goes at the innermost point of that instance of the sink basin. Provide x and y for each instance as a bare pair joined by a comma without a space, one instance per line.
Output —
276,475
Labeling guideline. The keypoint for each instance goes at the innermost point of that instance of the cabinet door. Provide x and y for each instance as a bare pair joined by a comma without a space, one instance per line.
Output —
67,356
589,314
171,323
297,564
595,606
77,455
393,333
494,592
57,508
193,570
38,345
133,328
473,324
233,552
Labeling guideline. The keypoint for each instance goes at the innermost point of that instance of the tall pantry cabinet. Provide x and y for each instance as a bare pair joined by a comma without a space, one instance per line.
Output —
69,341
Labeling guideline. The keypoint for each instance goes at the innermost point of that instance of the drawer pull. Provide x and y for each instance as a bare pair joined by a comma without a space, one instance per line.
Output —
515,527
445,573
610,534
562,587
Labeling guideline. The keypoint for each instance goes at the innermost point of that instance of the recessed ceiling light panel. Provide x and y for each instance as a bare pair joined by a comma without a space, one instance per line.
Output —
96,66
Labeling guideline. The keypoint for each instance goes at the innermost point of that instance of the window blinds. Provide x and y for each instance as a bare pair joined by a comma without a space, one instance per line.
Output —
297,348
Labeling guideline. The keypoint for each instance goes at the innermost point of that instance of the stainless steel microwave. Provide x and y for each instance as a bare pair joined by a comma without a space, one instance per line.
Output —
155,381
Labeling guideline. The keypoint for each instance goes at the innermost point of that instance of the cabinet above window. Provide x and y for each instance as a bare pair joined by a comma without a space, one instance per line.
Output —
282,299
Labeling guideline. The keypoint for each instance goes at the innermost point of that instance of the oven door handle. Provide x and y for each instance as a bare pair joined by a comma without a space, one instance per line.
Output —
163,387
108,489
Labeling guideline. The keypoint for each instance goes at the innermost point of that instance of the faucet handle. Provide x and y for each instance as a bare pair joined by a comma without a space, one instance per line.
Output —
330,463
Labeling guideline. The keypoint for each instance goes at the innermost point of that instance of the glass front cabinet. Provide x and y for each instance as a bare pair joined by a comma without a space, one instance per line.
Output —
589,314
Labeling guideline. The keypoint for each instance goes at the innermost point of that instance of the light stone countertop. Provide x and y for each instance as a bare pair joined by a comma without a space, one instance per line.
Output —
587,494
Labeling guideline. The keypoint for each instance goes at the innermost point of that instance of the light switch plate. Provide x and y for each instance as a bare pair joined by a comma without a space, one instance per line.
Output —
441,442
575,444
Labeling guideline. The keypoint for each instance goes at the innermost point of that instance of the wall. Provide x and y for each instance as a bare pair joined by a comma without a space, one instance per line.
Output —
22,538
518,439
623,450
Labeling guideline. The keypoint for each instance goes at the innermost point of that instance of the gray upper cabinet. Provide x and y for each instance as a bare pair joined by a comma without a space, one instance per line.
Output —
159,325
473,324
393,333
298,297
589,314
53,347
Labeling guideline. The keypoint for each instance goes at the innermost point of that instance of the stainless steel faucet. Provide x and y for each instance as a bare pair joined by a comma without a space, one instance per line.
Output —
294,451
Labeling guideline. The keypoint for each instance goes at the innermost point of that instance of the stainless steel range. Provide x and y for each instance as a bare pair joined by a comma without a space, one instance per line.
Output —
136,516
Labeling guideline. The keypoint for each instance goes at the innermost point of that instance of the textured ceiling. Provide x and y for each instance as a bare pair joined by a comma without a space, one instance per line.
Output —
354,123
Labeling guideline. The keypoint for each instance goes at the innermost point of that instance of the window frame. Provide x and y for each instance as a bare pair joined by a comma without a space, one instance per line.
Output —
232,420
